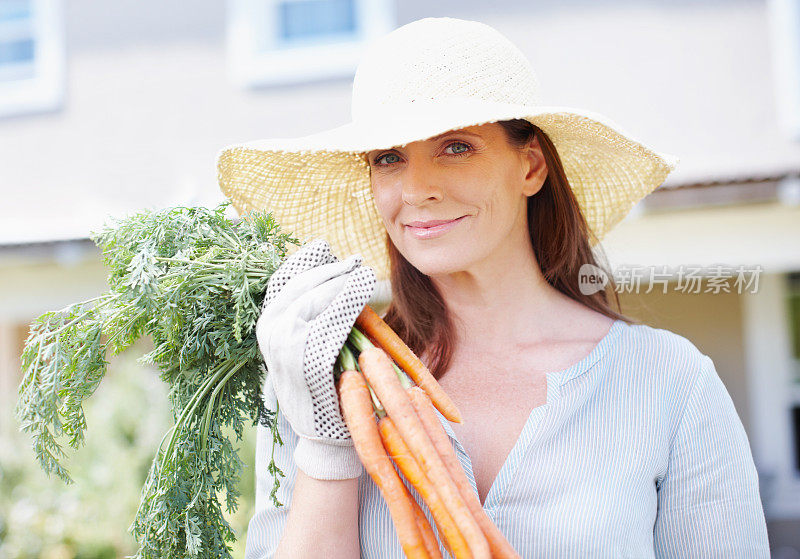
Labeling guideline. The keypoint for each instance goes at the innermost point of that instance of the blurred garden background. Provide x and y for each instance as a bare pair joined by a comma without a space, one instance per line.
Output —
107,108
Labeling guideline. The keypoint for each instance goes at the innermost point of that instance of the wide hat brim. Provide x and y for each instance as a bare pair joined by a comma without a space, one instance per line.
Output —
319,185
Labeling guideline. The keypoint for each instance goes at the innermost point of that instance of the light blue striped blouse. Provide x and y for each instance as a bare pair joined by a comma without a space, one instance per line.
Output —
638,453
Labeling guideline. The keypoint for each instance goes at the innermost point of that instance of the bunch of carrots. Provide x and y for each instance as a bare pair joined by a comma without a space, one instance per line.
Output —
392,420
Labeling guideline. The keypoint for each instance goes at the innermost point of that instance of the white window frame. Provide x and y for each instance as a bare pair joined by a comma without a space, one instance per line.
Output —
44,91
772,394
251,23
784,22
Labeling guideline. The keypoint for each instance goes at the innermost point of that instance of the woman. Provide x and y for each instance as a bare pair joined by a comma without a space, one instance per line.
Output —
585,435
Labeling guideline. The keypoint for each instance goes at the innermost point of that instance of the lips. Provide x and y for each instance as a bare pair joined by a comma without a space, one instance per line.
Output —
427,224
433,228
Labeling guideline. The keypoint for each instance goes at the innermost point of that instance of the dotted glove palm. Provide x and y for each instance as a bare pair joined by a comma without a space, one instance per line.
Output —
311,304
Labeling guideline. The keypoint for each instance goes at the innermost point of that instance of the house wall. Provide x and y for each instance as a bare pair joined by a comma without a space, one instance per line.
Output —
149,105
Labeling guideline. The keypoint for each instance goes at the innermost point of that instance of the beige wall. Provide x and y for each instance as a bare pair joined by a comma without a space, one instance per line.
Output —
28,288
12,338
713,322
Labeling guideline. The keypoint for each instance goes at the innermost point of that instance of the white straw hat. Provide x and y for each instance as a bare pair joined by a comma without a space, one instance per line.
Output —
420,80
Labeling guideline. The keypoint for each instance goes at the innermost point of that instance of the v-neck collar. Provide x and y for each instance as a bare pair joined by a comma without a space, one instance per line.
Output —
555,380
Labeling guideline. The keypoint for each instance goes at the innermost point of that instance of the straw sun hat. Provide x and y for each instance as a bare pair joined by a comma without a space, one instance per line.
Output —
420,80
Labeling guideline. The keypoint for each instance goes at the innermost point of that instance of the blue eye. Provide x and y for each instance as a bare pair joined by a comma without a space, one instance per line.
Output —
459,148
378,159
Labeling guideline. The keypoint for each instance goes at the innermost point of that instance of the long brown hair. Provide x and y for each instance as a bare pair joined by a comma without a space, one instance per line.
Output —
560,238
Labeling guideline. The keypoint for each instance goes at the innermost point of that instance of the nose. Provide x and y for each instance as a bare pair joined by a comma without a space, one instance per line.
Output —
420,184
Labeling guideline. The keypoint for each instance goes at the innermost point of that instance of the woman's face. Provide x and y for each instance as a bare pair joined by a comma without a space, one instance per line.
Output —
457,201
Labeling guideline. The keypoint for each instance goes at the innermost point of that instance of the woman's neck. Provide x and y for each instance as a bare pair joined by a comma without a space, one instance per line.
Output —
502,300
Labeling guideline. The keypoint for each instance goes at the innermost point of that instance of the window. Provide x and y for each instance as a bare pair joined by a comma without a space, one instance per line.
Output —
274,42
16,47
31,56
315,20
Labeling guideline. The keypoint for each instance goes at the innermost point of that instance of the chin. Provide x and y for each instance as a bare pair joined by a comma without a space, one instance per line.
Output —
439,261
433,269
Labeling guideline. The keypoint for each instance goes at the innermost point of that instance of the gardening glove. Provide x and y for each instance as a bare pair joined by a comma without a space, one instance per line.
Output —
311,304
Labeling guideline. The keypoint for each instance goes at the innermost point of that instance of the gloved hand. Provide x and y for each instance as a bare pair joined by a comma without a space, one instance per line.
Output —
311,304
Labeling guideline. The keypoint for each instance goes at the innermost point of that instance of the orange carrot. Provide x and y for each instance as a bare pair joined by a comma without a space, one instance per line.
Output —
359,417
497,542
446,546
399,452
377,368
428,537
373,326
439,528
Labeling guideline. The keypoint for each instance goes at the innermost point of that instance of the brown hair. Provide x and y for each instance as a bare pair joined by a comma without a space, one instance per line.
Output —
560,238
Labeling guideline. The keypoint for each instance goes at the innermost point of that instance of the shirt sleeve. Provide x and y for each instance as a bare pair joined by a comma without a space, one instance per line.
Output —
266,525
708,500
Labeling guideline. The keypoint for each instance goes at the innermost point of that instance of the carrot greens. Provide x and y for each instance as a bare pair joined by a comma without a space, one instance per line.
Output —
193,281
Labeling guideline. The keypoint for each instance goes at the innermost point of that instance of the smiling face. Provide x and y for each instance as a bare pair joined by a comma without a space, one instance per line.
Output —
457,202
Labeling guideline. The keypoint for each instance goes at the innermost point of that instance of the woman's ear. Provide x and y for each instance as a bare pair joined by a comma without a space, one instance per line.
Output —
535,167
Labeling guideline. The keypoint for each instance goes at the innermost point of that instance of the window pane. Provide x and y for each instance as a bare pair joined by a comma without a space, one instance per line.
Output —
16,52
311,19
14,10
